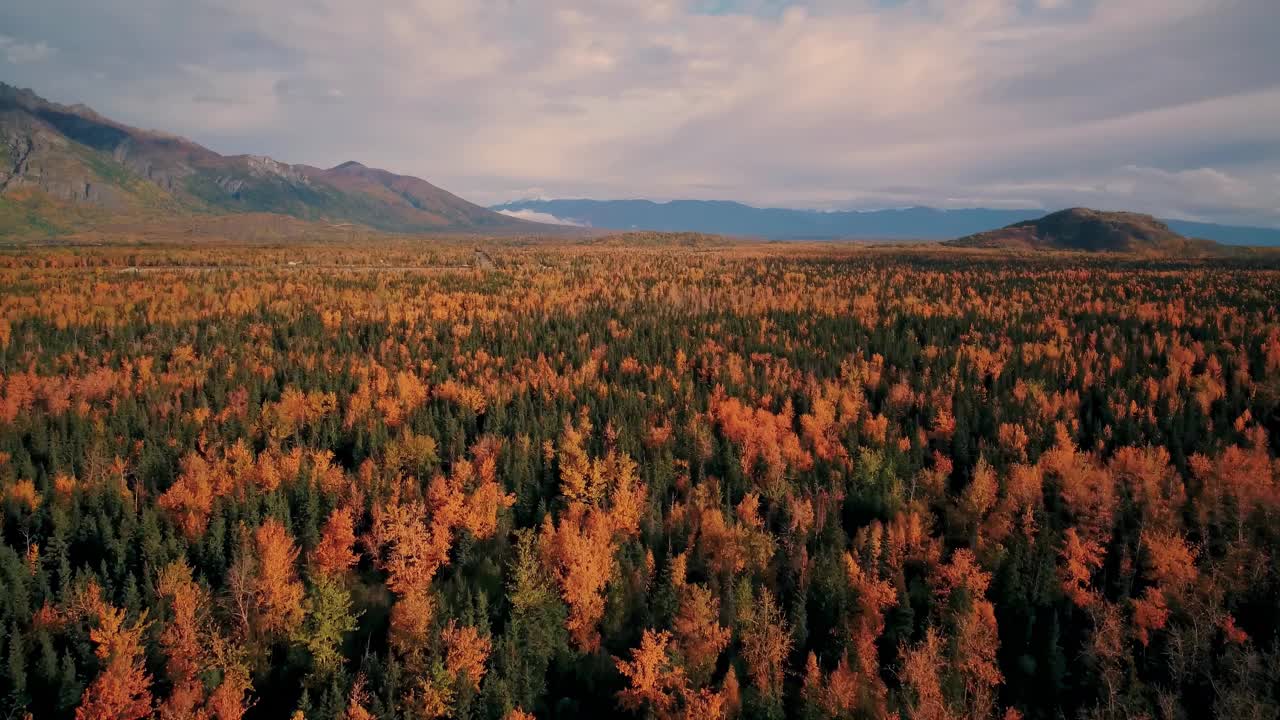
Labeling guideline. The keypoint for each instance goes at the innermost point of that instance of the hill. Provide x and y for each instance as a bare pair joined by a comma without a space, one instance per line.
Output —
67,168
1082,229
732,218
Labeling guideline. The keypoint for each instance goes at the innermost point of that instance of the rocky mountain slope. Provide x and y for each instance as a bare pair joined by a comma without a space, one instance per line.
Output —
67,167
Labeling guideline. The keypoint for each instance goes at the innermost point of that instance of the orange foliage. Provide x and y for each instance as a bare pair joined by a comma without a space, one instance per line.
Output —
580,479
411,622
1233,634
698,632
122,691
227,701
411,540
1087,490
1150,613
334,553
1241,482
1150,482
1056,347
764,437
1170,561
1080,558
23,495
976,644
765,644
919,674
465,652
875,596
277,590
703,704
184,639
578,550
409,551
980,496
652,678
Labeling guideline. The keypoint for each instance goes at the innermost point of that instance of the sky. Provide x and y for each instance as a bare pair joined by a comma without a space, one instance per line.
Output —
1163,106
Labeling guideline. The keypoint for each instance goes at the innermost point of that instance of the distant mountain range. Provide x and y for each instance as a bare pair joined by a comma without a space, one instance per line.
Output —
731,218
64,168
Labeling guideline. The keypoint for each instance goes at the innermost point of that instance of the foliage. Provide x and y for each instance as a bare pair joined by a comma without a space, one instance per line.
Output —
662,480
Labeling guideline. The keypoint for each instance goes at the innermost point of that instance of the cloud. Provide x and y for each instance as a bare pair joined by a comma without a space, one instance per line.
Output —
541,217
1203,194
293,89
822,103
19,53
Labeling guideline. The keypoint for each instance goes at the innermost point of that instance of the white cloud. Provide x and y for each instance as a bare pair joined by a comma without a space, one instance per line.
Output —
541,217
828,103
19,53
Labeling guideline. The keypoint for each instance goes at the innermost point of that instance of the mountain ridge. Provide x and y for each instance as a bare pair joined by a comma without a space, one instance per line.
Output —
70,165
914,223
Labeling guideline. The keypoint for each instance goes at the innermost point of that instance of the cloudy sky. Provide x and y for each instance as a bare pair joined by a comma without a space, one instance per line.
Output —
1166,106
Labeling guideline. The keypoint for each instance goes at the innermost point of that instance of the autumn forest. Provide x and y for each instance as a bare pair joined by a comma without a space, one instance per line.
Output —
668,478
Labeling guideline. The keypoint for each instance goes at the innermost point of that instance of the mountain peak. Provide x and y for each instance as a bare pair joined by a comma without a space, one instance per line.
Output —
21,97
91,166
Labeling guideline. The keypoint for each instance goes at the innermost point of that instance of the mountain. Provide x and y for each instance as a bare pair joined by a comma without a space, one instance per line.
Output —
1086,230
731,218
67,167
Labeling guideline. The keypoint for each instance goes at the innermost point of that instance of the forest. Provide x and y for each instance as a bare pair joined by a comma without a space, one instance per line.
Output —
664,479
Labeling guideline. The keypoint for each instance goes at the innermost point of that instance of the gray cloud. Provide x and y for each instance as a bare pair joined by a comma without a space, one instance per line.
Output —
16,52
1169,106
292,89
